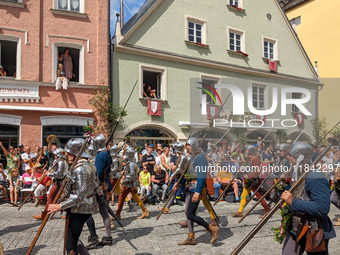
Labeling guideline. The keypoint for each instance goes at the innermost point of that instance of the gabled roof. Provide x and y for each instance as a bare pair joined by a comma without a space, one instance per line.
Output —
289,4
139,15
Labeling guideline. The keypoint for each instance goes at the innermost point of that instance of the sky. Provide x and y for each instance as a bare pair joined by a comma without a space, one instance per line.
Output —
132,5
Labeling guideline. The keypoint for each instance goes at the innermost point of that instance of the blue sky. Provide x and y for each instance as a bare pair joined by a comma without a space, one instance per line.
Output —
133,5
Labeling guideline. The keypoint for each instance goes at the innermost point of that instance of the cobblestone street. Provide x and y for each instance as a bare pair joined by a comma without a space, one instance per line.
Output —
147,236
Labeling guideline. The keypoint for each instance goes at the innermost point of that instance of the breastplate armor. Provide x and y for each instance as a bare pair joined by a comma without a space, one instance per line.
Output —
59,171
181,165
116,167
131,171
82,184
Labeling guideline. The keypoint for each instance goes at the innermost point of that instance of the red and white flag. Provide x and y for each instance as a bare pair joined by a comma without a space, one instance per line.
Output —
212,112
261,117
299,118
154,108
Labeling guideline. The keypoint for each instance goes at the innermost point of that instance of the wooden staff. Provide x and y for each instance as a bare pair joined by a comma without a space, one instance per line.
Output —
56,199
42,178
332,142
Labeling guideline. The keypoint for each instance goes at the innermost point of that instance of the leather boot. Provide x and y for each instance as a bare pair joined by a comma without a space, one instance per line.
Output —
190,240
213,230
214,223
237,214
118,215
166,210
183,224
337,223
144,215
41,216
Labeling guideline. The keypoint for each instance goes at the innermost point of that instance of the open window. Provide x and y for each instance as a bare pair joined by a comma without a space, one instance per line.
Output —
72,57
207,84
153,83
296,109
8,58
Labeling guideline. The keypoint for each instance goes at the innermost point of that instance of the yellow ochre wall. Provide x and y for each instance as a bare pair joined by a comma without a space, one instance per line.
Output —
319,33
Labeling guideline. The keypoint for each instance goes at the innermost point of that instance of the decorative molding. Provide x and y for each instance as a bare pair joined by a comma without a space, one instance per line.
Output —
44,109
17,30
197,44
65,121
69,37
18,4
154,124
235,8
10,119
152,53
69,13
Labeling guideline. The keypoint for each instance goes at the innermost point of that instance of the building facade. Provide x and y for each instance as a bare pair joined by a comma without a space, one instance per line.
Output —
173,45
33,36
317,28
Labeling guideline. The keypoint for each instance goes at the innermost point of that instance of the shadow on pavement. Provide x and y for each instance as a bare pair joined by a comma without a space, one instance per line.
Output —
24,250
19,228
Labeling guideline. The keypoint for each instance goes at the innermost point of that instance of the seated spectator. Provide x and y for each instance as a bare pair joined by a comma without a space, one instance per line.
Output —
158,156
159,181
145,183
268,155
41,158
14,182
217,188
61,81
3,181
234,160
27,174
149,93
2,71
224,177
37,174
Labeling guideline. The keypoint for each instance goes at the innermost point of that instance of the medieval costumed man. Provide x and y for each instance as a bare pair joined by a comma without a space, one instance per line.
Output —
197,174
103,165
58,174
130,184
80,201
254,163
335,195
309,205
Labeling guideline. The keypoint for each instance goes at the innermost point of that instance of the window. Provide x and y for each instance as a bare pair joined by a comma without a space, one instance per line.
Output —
212,83
15,1
70,5
234,2
270,48
153,82
8,57
296,96
195,30
235,41
64,133
258,96
74,58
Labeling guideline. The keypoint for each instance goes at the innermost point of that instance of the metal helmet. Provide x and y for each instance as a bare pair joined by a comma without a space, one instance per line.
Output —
130,153
58,152
178,147
91,150
73,147
283,146
192,141
300,148
99,143
251,149
114,150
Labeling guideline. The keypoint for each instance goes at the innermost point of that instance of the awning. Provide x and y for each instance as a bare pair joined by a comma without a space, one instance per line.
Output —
222,125
44,109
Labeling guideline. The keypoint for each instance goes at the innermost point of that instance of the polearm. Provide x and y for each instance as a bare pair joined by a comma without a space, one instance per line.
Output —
42,178
270,174
56,198
229,184
178,182
327,134
222,136
332,142
121,114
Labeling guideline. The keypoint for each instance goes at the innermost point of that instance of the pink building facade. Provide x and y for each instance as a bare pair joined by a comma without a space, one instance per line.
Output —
32,36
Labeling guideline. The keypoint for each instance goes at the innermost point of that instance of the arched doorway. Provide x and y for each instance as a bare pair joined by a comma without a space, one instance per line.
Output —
151,135
303,137
215,135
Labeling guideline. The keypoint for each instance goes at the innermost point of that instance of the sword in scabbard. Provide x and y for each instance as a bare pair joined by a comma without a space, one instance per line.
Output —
245,241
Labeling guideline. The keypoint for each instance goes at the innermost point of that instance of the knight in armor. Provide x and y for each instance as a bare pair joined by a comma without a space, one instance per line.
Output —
130,184
103,163
309,204
252,180
57,174
116,168
197,170
79,201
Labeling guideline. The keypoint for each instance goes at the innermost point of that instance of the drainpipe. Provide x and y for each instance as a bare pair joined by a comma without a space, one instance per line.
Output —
109,48
317,92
